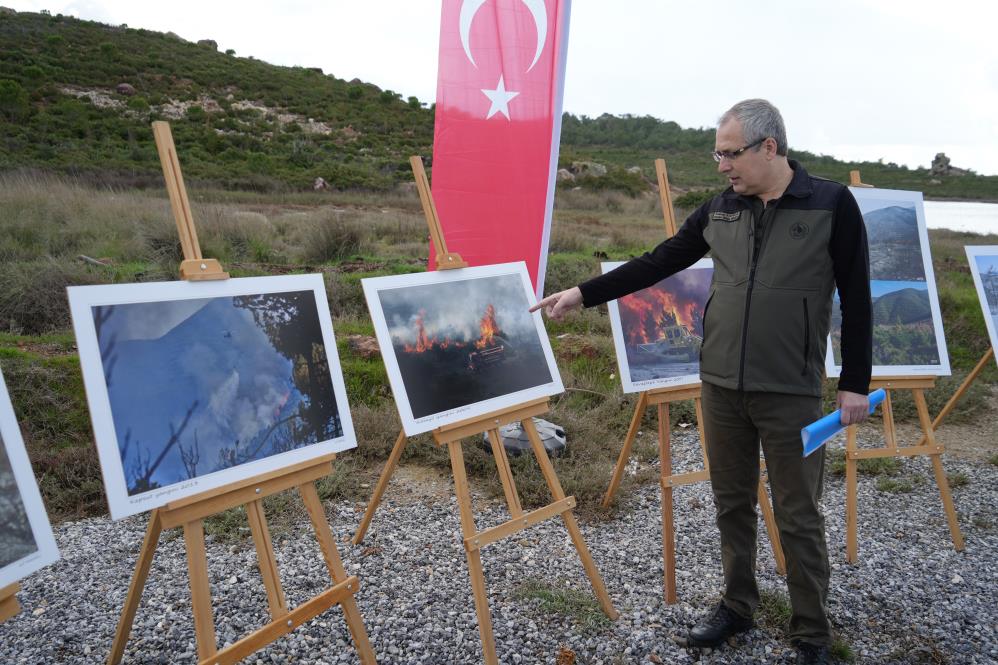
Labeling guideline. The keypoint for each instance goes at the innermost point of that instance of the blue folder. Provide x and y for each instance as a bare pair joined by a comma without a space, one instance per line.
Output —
817,433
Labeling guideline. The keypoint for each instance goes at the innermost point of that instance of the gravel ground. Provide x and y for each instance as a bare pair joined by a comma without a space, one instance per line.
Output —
912,598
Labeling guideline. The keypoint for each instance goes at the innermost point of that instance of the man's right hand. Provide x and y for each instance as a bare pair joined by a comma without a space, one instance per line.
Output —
558,304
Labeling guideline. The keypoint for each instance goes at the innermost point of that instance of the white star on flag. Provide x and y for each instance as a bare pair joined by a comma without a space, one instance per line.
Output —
500,99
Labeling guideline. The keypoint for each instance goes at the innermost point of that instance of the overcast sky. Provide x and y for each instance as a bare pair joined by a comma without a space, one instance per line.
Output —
858,79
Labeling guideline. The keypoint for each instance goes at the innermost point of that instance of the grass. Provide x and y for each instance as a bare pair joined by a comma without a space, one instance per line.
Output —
577,605
957,479
895,485
773,615
993,459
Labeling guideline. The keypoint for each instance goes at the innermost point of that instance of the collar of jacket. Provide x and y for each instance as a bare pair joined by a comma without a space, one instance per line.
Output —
799,187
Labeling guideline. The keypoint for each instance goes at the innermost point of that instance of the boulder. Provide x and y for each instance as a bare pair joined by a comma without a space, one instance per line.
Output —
593,169
364,346
319,184
124,89
564,175
635,170
941,166
208,43
7,11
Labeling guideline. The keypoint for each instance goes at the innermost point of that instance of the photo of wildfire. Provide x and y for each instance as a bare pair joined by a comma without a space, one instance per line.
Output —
662,326
463,342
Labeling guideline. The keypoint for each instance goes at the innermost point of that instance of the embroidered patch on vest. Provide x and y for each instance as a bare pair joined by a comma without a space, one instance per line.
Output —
798,230
725,216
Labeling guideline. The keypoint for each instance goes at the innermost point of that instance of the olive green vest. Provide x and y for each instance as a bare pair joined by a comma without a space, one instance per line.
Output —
767,317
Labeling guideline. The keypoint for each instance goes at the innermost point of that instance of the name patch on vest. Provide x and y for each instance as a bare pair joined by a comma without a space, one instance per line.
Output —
725,216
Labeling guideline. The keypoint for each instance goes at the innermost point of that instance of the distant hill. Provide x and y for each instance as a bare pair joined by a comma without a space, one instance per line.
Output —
77,97
893,224
903,306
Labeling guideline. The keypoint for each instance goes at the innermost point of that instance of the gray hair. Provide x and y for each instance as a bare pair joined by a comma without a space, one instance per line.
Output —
760,120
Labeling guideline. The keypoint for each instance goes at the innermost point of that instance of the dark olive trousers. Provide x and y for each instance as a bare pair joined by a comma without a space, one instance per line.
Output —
735,422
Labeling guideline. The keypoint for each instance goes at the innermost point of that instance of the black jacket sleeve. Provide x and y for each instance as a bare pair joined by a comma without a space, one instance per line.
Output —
669,257
851,264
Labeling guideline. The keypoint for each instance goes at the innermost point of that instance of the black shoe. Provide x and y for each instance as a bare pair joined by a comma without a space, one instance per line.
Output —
722,623
813,654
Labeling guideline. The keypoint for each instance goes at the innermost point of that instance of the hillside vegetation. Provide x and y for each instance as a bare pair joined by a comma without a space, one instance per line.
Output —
77,97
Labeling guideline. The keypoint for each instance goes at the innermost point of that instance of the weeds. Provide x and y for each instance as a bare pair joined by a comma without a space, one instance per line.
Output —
579,606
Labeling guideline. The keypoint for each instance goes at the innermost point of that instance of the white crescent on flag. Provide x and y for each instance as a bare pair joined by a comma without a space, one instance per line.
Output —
537,9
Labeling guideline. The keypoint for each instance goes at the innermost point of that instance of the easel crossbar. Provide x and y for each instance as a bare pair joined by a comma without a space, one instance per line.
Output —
178,514
685,478
286,624
908,451
465,428
507,529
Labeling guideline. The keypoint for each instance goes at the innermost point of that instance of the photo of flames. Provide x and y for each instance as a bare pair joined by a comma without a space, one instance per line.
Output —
662,325
462,342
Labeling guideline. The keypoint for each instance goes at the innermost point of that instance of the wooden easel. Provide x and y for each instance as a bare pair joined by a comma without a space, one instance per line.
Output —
9,607
190,512
452,435
927,445
661,398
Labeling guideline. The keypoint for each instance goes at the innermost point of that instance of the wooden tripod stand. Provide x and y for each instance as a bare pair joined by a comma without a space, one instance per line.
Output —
452,435
190,512
661,398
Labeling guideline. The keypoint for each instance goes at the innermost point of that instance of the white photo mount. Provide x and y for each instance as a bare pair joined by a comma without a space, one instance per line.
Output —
890,275
629,382
458,326
84,299
45,550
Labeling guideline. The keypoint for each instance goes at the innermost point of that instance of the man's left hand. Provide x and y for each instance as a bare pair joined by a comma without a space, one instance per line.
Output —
854,407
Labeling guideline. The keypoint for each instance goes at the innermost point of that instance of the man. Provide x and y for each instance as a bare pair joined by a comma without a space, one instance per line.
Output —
781,241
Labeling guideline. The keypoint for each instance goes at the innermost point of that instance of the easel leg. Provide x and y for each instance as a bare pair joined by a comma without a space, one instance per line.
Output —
468,529
379,490
770,520
937,466
570,522
266,559
852,544
9,607
197,565
625,452
668,524
890,434
138,583
336,571
505,474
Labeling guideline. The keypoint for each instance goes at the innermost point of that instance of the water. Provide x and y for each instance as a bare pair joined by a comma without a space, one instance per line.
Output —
962,216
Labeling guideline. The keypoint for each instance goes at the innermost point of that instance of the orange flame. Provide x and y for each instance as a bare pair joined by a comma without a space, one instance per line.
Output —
489,328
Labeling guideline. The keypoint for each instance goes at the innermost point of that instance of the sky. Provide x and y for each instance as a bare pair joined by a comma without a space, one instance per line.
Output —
898,80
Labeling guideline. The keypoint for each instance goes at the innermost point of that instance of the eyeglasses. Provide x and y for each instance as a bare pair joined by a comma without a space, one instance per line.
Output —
718,155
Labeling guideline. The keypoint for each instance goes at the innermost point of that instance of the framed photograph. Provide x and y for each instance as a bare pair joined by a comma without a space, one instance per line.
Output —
460,343
657,331
26,540
984,267
907,323
194,385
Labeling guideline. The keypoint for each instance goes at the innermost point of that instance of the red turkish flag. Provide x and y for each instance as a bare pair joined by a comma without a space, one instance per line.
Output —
498,125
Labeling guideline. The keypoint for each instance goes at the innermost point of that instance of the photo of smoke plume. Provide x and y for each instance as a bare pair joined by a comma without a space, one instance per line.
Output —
200,387
463,342
660,329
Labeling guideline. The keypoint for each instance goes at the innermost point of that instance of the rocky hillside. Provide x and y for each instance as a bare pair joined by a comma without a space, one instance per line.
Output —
77,97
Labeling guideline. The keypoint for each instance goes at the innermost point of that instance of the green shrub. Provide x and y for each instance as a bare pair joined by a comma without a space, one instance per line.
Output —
13,100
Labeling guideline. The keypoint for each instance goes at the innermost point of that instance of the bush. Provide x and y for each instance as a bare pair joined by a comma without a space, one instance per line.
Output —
13,100
33,294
